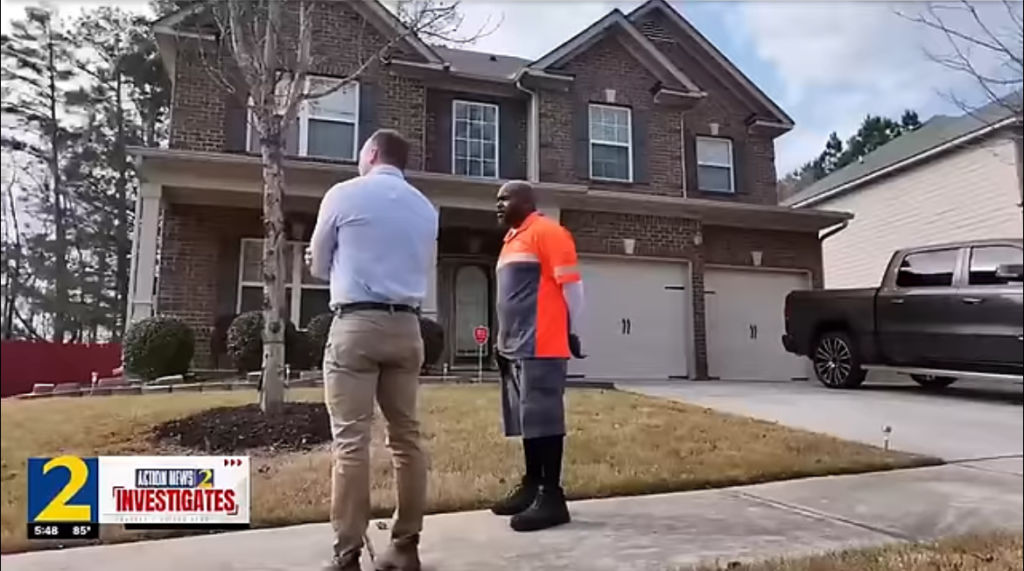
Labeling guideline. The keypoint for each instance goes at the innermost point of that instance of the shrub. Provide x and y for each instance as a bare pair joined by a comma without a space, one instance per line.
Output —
158,346
433,341
318,329
245,343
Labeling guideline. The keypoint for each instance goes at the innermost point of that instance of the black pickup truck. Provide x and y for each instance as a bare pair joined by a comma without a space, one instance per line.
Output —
942,312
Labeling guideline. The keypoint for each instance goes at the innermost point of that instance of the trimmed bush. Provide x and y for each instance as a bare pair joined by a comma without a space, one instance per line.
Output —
433,341
158,346
318,329
245,344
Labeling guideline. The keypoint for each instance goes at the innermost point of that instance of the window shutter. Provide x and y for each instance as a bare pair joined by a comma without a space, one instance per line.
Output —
739,184
235,123
581,147
367,112
641,156
441,158
510,160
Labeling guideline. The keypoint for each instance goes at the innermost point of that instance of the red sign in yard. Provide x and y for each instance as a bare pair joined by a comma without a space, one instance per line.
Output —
480,333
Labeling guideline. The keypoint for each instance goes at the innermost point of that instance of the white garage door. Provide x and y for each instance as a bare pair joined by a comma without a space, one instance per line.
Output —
745,324
636,319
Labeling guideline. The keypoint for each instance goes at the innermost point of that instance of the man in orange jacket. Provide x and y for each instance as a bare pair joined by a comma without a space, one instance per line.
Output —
540,303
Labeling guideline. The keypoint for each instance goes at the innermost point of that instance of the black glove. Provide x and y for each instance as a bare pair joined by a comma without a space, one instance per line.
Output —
574,346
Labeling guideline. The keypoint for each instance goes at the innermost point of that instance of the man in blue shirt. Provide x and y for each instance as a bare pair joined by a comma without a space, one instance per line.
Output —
374,240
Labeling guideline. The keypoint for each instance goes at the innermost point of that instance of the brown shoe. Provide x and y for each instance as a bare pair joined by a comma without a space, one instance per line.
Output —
402,555
347,562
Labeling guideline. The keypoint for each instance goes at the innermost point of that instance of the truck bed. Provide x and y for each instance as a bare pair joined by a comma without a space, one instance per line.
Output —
809,311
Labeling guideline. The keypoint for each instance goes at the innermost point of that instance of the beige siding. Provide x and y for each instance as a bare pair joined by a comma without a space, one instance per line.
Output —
968,194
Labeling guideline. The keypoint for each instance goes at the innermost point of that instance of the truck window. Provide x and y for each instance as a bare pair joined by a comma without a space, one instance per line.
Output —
985,260
927,269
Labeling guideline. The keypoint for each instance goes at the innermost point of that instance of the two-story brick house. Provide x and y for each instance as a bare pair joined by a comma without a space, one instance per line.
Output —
653,149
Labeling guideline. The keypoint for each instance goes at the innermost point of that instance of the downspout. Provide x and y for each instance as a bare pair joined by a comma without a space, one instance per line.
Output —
532,133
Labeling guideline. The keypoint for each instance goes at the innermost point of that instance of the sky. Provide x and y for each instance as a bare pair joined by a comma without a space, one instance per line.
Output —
826,63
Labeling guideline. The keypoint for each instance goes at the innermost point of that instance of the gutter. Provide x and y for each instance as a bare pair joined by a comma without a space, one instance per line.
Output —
906,162
833,231
532,134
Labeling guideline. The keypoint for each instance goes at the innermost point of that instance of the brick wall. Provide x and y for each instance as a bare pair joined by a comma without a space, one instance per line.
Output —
657,164
732,246
199,116
198,270
754,156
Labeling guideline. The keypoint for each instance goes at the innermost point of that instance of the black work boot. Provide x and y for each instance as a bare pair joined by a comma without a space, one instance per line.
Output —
518,499
402,555
548,510
347,562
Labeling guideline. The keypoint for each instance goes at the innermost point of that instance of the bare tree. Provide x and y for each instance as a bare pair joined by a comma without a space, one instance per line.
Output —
268,46
987,47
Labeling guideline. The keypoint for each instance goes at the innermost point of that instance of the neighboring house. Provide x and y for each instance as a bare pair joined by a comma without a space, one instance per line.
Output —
641,138
951,179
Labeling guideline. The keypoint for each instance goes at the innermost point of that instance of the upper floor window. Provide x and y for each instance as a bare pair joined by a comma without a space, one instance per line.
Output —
325,127
715,172
474,139
611,143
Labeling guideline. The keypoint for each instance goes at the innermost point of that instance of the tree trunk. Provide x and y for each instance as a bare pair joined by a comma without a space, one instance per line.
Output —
121,233
272,392
59,239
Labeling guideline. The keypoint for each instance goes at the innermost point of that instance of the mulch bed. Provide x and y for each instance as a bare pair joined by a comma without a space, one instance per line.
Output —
228,430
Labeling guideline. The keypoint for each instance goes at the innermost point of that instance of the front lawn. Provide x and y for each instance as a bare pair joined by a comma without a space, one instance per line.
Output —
619,444
983,552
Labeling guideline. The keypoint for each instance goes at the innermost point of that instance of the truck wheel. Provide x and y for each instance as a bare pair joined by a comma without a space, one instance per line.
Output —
932,382
836,362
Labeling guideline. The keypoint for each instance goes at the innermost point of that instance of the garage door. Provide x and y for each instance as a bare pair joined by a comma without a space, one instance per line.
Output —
745,324
636,319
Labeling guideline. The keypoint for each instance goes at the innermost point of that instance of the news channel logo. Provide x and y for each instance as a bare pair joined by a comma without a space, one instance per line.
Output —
70,497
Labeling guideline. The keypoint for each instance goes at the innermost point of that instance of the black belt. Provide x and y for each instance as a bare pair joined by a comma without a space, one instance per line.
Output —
342,309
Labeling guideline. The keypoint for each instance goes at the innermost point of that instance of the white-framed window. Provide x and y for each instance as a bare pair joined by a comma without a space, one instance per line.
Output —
611,143
305,296
326,127
474,139
715,171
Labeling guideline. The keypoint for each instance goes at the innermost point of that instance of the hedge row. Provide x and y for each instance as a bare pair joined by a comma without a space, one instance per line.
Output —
159,346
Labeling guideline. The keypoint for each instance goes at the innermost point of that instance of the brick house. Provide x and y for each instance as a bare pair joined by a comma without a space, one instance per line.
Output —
652,148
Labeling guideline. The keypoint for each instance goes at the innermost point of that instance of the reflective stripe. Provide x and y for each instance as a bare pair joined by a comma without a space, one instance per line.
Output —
563,271
518,257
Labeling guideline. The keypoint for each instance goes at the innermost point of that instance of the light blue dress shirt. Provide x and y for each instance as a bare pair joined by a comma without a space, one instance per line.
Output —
375,240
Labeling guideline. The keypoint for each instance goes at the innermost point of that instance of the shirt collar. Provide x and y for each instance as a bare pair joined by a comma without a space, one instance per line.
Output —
512,232
386,170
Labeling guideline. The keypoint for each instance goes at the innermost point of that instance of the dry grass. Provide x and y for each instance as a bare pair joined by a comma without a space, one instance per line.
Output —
619,444
987,552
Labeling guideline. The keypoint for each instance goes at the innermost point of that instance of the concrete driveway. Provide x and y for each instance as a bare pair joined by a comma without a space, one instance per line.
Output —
967,421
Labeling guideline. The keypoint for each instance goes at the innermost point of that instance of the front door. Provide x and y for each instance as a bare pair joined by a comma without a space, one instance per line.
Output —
472,308
915,316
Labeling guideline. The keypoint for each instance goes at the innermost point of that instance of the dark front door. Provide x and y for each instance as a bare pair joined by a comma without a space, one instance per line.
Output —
915,317
990,311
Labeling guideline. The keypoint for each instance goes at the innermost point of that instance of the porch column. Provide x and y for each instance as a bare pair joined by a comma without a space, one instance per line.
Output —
141,290
429,308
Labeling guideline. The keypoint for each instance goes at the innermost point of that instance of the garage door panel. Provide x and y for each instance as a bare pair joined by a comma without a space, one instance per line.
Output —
635,325
745,323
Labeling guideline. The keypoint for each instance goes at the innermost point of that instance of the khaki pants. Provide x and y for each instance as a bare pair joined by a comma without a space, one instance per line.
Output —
374,354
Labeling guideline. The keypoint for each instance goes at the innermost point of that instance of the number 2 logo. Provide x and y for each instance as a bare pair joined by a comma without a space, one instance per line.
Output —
58,508
207,478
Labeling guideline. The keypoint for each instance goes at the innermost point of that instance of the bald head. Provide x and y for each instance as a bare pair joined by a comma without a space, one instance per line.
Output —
516,201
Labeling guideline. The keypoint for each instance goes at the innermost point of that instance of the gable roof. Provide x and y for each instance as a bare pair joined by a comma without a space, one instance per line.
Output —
749,86
612,21
938,134
372,10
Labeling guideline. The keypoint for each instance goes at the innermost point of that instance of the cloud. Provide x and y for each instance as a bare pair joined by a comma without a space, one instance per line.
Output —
840,61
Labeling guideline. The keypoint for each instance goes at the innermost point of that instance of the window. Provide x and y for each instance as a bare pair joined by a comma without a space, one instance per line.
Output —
714,165
987,260
927,269
305,296
611,143
474,139
326,127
